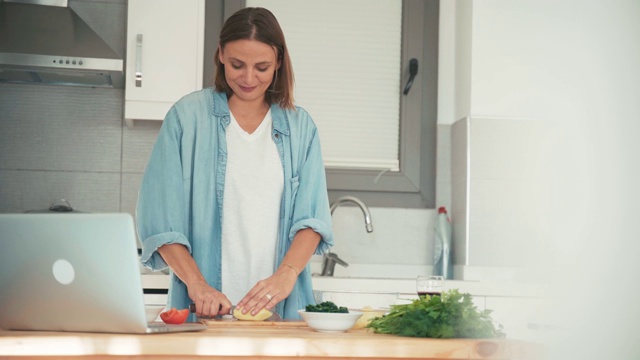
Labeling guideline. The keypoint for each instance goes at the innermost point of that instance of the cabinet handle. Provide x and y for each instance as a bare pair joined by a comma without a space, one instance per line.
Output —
139,60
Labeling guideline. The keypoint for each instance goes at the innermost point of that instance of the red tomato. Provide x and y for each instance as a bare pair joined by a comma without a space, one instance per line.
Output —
174,316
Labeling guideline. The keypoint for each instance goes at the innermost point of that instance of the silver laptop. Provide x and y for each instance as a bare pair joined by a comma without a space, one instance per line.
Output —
73,272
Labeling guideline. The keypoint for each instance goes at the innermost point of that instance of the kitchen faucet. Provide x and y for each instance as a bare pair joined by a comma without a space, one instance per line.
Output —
365,210
330,259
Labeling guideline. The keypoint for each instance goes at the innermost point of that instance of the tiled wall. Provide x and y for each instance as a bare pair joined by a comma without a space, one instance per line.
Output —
69,143
400,236
60,143
137,143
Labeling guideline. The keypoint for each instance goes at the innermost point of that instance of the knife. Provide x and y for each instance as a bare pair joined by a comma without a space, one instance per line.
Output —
192,308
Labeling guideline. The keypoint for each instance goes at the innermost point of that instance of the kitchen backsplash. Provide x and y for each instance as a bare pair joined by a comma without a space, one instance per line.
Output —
69,143
60,142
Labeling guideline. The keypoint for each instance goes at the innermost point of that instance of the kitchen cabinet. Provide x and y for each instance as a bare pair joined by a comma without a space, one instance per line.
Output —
165,45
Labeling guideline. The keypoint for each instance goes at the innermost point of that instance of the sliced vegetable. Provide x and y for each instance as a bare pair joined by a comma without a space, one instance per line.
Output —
326,307
174,316
260,316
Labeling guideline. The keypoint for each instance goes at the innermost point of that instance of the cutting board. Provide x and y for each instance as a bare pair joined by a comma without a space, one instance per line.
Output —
235,322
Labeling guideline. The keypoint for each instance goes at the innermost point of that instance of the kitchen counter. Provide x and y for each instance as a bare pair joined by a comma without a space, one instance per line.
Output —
288,340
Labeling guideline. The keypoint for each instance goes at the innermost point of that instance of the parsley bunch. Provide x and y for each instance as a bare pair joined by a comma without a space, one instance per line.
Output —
450,315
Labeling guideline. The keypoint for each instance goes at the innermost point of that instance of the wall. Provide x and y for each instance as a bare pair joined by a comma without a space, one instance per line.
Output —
516,65
572,66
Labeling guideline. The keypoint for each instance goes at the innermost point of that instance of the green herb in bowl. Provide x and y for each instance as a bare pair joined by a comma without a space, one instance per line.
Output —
326,307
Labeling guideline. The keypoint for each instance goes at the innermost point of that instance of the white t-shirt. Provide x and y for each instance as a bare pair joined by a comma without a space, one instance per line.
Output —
254,183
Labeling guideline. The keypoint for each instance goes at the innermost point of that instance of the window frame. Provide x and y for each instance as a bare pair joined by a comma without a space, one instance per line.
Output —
414,185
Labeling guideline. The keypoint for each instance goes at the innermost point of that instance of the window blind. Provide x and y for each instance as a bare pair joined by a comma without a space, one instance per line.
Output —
346,57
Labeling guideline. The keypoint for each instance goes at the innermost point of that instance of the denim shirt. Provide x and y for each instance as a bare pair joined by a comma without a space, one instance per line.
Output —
181,195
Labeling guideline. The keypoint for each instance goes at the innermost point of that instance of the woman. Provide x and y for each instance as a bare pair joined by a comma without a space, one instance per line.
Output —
234,197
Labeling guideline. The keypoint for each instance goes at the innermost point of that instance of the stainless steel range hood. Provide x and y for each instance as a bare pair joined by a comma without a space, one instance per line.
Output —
46,42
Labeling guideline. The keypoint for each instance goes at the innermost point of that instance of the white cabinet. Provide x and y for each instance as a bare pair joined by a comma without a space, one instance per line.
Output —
165,45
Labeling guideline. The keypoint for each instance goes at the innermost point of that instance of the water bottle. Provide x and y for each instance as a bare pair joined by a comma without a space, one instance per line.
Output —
442,265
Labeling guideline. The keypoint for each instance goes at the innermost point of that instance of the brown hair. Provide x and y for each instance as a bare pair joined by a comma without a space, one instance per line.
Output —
259,24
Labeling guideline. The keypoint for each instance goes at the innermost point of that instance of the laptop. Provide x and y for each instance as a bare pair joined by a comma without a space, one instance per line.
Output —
73,272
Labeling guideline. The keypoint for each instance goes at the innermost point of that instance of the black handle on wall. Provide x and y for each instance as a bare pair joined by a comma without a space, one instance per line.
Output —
413,71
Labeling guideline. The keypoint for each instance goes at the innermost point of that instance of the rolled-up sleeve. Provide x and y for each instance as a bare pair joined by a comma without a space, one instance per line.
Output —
160,211
311,202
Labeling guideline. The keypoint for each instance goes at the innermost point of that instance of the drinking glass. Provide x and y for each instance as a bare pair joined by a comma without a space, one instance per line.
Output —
429,285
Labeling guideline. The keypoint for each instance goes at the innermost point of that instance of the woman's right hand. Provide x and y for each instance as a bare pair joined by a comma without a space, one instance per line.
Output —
209,301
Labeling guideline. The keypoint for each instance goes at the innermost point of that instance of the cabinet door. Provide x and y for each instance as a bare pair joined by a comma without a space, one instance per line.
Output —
168,55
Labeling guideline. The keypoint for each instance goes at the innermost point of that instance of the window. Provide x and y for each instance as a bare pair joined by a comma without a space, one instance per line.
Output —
404,176
347,70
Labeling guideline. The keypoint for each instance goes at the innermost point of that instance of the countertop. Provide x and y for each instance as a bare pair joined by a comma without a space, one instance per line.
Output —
275,342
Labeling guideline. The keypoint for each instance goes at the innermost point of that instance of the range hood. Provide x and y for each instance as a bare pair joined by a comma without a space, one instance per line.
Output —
46,42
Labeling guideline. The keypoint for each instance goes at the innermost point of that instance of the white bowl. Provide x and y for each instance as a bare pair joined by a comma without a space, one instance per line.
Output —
330,322
152,311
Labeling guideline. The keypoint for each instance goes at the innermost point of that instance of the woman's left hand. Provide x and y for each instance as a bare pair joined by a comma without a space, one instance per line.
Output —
268,292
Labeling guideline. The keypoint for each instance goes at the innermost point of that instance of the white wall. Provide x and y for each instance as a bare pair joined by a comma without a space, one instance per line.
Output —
574,66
